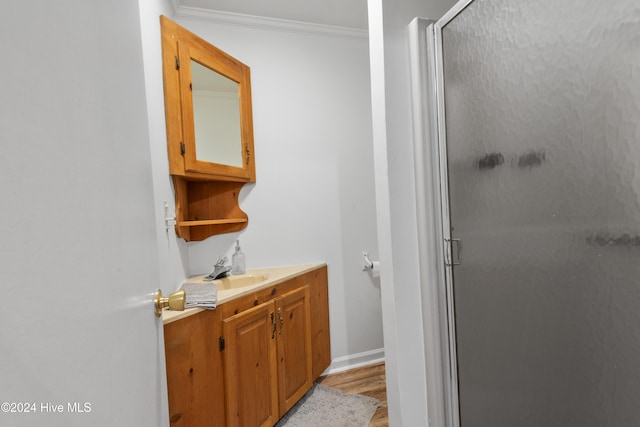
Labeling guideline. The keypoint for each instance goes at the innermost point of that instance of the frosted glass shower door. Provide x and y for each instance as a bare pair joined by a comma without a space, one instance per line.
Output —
542,124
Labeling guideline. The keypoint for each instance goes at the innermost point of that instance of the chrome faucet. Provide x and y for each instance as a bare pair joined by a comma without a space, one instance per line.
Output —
220,270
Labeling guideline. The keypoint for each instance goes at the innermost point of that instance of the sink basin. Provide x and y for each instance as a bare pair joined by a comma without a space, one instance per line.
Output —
234,282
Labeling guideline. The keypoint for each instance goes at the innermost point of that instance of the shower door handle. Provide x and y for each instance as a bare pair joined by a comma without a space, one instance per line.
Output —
453,252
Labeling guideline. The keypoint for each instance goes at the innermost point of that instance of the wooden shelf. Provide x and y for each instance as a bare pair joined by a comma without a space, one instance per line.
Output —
207,208
212,222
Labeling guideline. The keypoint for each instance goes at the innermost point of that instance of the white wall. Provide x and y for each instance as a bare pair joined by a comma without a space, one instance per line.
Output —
396,207
314,196
174,259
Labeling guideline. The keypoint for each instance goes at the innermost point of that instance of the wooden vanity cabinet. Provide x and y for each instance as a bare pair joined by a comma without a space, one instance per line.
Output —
250,360
267,359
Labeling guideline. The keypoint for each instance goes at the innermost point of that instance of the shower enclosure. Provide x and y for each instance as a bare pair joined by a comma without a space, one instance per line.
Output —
536,149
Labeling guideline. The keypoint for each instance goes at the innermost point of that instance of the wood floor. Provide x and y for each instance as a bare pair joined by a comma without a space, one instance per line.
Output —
368,380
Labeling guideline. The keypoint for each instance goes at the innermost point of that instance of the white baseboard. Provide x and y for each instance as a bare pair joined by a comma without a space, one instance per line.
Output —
352,361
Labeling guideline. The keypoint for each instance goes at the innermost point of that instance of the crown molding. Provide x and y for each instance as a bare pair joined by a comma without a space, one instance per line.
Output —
272,24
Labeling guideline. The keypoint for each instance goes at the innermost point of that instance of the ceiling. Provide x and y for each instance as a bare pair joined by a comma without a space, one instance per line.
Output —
341,13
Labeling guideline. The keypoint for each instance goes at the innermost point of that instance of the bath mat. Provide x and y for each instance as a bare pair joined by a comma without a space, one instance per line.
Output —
324,406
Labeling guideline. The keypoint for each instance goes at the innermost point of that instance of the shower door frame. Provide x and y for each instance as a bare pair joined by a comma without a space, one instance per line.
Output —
432,201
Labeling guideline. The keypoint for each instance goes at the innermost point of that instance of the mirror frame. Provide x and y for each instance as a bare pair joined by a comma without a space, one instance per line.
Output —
179,47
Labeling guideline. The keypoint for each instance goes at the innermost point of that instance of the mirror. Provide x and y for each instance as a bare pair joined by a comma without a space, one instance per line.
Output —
208,108
216,116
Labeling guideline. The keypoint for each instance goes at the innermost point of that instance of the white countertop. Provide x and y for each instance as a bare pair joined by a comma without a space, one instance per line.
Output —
262,278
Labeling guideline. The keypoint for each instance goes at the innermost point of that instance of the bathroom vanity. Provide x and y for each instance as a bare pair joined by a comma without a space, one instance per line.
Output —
247,362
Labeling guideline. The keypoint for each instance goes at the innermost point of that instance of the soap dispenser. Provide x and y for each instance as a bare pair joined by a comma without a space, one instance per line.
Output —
238,262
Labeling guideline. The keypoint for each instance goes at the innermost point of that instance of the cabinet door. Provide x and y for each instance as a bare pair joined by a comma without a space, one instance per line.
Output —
194,371
250,367
294,347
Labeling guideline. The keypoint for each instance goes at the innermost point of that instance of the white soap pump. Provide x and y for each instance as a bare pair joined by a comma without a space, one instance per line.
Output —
238,262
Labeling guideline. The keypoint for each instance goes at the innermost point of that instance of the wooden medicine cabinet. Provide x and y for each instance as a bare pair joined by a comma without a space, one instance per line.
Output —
209,132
